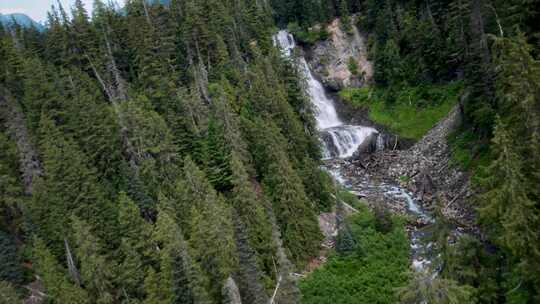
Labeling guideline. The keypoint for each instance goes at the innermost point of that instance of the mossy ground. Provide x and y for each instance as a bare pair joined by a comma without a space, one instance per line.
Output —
409,111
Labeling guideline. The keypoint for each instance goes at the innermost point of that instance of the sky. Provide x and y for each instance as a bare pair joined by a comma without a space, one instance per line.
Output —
37,9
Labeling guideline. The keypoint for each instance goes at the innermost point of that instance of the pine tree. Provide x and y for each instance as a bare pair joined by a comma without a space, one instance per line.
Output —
57,286
68,187
212,240
424,288
217,154
251,211
97,272
156,292
507,208
282,185
8,294
178,269
135,249
10,264
387,64
11,190
295,215
250,277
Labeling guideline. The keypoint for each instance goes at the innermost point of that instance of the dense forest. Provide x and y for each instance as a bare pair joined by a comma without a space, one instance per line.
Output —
165,152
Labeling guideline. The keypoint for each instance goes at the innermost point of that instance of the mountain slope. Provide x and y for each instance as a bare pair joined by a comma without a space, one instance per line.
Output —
20,19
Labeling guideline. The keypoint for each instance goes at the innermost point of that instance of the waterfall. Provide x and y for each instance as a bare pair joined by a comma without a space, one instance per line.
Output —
339,140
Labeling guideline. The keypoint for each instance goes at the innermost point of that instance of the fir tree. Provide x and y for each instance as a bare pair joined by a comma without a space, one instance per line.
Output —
251,210
68,187
178,269
135,249
97,272
57,286
250,277
10,264
8,294
423,287
295,215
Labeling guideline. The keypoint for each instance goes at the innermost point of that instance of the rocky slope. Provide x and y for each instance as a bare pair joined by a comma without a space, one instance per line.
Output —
422,167
330,59
425,170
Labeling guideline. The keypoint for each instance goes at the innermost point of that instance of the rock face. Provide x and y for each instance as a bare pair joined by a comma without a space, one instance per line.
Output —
330,59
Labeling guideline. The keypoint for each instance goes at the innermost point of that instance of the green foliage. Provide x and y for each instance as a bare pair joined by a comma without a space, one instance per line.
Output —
509,200
251,209
353,66
11,190
345,242
307,36
69,187
409,111
369,274
300,234
95,268
423,287
468,151
8,294
58,286
10,264
180,280
115,102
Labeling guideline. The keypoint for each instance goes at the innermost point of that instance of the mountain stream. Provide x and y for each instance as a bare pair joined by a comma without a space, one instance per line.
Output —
339,141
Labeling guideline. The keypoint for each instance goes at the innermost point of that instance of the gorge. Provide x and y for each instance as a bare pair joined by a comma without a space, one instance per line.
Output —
340,141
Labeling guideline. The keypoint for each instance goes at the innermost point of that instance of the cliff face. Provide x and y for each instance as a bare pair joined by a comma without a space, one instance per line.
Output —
336,58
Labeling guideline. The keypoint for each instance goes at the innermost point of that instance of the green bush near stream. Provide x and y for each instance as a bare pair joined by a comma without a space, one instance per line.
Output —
370,273
408,111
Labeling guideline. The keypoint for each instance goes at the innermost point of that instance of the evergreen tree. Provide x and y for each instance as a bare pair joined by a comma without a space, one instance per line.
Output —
178,269
230,292
217,157
68,187
97,272
8,294
251,212
507,209
135,249
10,264
250,277
424,288
57,286
212,240
295,215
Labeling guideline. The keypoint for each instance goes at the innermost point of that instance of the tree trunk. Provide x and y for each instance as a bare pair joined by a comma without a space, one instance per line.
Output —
29,163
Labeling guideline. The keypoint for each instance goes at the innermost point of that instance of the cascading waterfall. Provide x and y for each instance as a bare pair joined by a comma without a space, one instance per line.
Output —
339,140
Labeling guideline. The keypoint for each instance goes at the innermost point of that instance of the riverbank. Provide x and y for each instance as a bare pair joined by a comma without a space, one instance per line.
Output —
425,170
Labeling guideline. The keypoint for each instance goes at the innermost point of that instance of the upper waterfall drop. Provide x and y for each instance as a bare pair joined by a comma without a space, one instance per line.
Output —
344,139
325,112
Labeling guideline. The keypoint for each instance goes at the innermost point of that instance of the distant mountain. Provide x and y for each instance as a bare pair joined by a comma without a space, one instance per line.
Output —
26,21
20,19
